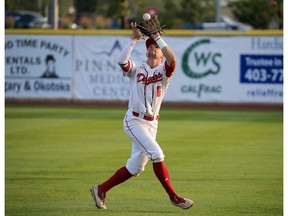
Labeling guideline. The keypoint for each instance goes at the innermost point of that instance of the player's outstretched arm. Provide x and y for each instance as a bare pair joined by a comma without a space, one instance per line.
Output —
123,59
167,51
136,35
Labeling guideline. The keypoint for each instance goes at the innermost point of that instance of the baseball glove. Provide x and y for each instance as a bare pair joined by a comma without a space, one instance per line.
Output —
150,26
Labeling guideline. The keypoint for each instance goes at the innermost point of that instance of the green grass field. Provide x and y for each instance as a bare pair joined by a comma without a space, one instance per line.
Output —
229,162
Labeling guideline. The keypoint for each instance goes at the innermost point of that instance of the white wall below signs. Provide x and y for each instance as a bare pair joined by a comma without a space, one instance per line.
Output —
209,69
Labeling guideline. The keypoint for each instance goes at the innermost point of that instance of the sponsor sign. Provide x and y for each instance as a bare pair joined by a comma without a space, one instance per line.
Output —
97,73
227,69
38,66
82,67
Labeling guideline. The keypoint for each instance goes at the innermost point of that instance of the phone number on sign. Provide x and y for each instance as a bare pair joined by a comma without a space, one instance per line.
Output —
263,75
261,69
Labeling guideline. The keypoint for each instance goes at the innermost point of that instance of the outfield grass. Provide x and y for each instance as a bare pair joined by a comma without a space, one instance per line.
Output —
229,162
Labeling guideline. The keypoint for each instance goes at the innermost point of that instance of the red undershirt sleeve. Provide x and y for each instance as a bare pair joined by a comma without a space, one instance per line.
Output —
169,69
126,67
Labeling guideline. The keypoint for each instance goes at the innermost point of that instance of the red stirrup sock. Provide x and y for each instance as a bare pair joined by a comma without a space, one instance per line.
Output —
120,176
162,174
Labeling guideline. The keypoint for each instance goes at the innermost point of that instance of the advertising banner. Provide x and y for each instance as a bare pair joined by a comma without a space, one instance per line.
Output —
38,66
209,69
84,67
97,74
228,69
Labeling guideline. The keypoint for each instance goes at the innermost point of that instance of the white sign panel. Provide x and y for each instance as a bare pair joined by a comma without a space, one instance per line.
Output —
227,69
209,69
97,74
38,66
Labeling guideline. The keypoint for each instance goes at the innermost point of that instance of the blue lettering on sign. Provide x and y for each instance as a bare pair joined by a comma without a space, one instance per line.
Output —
261,69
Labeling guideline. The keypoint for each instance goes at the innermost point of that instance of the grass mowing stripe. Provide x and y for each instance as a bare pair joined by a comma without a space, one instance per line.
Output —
229,162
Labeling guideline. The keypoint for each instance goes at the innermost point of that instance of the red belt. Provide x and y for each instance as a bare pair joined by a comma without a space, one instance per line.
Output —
146,117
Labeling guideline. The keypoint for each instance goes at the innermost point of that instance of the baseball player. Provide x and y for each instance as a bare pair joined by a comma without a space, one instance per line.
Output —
148,84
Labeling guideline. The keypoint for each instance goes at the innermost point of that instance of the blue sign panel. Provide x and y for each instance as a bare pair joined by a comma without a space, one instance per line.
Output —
261,69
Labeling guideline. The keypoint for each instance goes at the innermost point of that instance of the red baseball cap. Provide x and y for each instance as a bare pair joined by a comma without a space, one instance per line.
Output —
150,41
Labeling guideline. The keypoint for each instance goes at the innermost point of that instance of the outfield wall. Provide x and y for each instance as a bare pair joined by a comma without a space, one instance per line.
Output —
222,67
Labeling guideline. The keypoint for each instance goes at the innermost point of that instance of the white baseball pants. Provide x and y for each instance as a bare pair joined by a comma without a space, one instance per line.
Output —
142,133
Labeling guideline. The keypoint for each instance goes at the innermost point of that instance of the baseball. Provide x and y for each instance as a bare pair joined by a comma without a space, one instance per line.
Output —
146,16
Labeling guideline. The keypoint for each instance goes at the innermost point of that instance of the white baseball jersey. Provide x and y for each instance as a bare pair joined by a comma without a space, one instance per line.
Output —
147,86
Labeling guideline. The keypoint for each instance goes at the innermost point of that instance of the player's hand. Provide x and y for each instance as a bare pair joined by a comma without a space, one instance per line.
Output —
154,36
136,34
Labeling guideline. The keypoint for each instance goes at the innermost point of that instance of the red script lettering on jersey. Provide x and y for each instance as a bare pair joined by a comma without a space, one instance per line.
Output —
148,80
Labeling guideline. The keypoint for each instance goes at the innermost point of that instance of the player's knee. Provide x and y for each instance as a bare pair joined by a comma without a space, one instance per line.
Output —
135,171
158,158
